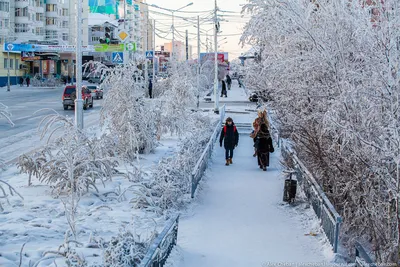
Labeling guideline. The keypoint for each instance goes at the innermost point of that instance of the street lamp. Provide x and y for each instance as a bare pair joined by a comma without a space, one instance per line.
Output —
172,27
78,68
9,47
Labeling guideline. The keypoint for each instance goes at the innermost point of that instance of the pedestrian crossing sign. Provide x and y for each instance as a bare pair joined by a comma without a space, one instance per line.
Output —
118,57
149,54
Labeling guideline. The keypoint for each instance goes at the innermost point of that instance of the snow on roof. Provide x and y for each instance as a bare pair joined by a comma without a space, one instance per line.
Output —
99,19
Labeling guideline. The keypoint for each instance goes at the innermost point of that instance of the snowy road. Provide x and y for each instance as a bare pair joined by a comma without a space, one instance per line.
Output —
23,103
240,220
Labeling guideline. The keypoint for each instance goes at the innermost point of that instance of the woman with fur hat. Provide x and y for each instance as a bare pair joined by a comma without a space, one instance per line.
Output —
264,146
230,136
261,119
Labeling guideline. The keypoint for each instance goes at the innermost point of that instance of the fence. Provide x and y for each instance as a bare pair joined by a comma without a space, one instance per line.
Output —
362,258
162,246
329,218
201,164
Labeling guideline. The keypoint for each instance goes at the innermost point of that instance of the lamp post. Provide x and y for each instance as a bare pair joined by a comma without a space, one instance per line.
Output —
78,68
216,29
9,47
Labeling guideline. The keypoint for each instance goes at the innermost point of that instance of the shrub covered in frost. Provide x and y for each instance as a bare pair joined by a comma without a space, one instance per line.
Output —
171,183
125,250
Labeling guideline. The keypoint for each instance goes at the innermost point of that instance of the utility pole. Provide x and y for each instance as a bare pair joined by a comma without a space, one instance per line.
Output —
78,68
154,51
146,72
198,62
8,68
187,45
125,53
173,37
216,28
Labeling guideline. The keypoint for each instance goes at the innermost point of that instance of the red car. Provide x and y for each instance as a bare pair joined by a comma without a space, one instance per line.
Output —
69,96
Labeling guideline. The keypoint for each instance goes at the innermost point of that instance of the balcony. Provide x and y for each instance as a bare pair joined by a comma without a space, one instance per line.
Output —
54,2
52,27
51,14
22,20
39,9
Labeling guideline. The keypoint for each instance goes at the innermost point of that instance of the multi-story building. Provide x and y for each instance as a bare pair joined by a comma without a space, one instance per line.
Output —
180,50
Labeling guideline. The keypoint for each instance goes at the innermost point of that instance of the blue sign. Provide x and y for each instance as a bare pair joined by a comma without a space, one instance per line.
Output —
20,47
149,54
118,57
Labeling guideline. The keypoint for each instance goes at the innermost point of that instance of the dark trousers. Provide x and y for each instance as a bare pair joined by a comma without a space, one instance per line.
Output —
228,153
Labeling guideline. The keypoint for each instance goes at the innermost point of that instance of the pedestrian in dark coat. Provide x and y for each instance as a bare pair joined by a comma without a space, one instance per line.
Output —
28,81
230,136
150,89
21,81
223,91
264,147
228,81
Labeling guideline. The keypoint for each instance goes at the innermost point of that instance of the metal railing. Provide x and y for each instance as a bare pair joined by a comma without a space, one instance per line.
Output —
362,258
201,164
162,246
330,219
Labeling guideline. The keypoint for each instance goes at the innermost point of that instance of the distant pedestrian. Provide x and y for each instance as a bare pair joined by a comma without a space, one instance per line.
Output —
69,79
150,88
28,81
223,89
264,147
228,81
21,81
230,136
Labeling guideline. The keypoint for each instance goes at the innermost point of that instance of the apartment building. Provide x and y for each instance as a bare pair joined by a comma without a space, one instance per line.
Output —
39,22
180,50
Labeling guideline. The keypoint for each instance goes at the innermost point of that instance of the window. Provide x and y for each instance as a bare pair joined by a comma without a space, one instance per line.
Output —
21,12
51,8
11,63
4,6
65,24
51,21
21,27
16,64
39,17
5,63
65,12
39,31
65,36
51,34
6,22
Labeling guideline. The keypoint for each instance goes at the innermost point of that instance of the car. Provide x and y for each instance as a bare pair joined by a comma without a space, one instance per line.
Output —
94,79
69,96
95,91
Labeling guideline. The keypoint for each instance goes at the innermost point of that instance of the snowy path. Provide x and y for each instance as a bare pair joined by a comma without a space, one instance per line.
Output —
240,221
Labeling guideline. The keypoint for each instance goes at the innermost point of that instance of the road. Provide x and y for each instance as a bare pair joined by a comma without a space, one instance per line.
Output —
23,103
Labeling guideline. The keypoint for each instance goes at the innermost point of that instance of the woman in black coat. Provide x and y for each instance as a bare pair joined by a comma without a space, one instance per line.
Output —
230,136
264,147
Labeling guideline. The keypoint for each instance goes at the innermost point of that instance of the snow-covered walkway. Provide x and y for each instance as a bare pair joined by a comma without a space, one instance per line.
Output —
240,220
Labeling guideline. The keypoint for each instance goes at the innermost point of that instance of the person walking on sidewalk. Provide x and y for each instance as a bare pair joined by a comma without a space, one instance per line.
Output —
230,136
223,90
228,81
21,81
28,81
264,147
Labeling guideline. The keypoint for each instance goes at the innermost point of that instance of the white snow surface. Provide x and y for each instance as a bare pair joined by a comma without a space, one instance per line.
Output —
240,219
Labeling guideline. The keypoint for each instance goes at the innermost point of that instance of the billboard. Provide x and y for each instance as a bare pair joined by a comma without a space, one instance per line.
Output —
221,57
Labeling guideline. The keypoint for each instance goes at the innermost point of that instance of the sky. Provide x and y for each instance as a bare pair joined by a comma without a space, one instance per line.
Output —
231,29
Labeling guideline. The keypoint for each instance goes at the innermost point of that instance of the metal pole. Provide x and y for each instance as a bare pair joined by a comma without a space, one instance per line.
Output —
78,68
146,74
198,62
187,45
154,51
8,69
173,37
125,53
216,102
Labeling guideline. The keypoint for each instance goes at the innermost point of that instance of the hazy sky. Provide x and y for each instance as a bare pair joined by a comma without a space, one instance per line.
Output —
204,9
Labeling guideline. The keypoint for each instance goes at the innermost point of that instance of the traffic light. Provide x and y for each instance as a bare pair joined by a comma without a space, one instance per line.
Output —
107,35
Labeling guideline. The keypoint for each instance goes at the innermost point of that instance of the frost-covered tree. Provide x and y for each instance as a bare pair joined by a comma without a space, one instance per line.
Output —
5,113
330,69
126,114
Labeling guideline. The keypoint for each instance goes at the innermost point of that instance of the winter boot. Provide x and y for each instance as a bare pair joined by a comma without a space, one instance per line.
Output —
230,161
264,168
227,162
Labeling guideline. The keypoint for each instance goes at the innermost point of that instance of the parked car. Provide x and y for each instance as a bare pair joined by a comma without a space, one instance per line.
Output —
69,96
95,91
94,79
